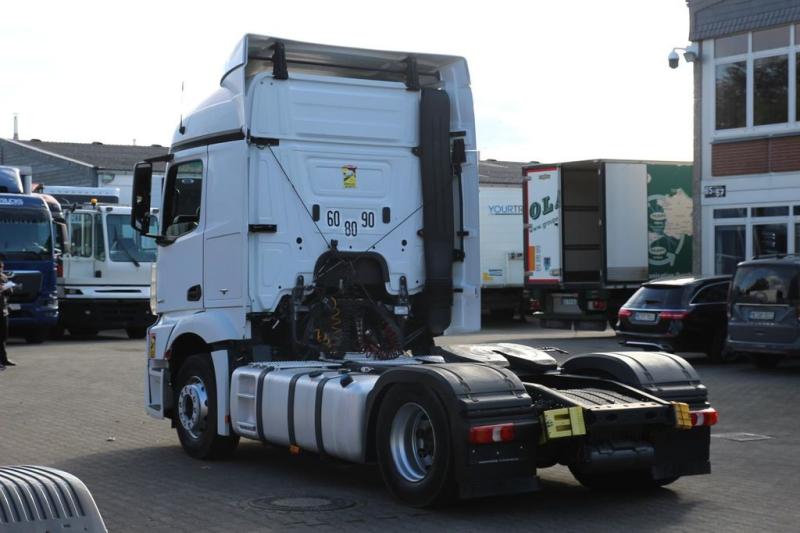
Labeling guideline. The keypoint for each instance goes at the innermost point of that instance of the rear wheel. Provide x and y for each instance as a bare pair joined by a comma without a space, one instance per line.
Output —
413,446
136,333
717,351
196,411
36,336
767,361
625,480
83,333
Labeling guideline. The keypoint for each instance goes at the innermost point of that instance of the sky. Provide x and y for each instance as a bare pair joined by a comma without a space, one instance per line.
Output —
552,80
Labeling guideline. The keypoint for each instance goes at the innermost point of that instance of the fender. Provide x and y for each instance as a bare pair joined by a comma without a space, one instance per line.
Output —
661,374
211,325
472,394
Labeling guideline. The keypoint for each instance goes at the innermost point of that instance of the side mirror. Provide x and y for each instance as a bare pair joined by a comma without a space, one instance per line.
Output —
140,202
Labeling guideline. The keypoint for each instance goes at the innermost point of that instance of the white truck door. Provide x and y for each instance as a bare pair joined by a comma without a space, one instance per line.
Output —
501,241
79,264
180,262
626,214
543,225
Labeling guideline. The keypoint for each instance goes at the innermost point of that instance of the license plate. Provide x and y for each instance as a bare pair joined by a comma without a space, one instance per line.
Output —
644,317
762,315
569,301
14,307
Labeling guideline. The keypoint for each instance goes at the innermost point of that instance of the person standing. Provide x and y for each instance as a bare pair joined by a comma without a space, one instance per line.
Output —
4,291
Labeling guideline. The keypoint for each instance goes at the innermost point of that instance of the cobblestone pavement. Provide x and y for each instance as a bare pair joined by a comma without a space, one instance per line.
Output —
77,405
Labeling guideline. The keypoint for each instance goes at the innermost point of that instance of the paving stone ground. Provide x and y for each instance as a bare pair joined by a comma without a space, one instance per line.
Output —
77,405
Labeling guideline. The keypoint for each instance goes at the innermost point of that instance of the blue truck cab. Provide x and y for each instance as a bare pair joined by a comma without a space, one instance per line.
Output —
29,253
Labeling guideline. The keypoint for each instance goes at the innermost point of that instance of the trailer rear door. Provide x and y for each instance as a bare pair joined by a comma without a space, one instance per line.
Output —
542,213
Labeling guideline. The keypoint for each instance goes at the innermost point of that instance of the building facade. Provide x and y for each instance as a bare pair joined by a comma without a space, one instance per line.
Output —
79,164
747,130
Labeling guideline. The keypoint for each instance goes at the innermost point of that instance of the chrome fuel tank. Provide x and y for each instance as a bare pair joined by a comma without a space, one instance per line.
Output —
312,405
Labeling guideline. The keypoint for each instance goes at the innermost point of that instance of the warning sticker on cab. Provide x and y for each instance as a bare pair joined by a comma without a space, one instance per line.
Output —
349,176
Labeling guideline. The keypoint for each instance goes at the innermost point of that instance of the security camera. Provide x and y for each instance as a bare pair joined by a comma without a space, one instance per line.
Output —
673,59
690,53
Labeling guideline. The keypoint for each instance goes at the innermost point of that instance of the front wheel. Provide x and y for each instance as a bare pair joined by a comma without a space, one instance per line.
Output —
36,336
413,446
625,480
196,411
136,333
767,361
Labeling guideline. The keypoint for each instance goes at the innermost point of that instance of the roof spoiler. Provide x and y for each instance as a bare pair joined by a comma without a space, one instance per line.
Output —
257,53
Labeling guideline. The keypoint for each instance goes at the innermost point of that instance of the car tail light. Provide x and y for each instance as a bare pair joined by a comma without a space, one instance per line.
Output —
596,305
59,269
672,315
706,417
493,433
534,305
624,313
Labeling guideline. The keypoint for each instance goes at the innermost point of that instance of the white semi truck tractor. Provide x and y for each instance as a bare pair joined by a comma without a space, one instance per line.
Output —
318,231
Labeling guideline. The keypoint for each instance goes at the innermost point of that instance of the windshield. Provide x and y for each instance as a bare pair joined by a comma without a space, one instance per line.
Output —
125,244
765,284
25,233
656,297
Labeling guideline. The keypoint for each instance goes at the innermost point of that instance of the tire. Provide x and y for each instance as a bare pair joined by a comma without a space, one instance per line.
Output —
421,477
57,333
625,480
83,333
136,333
196,411
36,336
766,361
717,352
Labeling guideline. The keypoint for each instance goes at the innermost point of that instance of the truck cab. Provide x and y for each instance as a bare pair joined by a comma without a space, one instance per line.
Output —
27,248
105,282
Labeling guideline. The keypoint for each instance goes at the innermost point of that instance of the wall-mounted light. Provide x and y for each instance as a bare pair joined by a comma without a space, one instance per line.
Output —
690,55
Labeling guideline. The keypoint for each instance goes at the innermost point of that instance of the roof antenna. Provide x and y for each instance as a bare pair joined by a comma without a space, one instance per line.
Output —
182,128
16,127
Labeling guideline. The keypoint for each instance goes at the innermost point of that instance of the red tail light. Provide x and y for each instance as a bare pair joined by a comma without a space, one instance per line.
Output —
534,305
706,417
624,313
672,315
493,433
59,269
597,305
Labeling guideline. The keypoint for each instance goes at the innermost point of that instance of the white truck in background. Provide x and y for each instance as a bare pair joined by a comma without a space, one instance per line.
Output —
502,276
596,230
105,274
319,229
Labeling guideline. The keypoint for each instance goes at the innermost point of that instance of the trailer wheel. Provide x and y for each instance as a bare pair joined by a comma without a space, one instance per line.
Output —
196,411
625,480
413,446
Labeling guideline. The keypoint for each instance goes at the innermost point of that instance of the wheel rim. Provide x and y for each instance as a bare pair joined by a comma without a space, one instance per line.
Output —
412,441
193,407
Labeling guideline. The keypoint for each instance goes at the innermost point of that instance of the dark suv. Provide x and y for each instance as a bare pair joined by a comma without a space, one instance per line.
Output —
764,313
686,314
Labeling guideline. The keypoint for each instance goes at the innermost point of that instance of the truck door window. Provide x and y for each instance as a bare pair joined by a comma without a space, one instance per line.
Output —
81,234
182,198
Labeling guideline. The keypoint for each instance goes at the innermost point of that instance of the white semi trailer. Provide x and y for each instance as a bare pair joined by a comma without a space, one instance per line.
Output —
319,229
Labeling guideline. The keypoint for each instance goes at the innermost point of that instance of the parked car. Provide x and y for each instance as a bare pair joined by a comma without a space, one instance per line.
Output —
764,317
684,314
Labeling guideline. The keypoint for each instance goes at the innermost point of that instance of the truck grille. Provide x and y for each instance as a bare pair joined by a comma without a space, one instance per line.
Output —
31,283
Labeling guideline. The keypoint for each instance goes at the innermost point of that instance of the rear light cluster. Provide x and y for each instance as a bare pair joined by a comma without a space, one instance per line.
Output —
706,417
493,433
662,315
596,305
672,315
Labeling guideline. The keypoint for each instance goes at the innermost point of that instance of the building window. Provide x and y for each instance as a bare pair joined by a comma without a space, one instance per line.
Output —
729,248
731,95
730,46
771,90
769,239
731,212
776,211
752,78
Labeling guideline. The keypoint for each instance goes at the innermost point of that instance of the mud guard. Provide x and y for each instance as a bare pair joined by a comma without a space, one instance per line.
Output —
661,374
472,395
